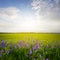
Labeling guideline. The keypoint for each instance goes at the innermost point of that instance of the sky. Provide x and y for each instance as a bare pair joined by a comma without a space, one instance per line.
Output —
30,16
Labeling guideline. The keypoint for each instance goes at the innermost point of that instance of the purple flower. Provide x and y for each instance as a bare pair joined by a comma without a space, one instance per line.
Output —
47,59
2,43
2,51
30,52
36,47
21,44
27,45
9,51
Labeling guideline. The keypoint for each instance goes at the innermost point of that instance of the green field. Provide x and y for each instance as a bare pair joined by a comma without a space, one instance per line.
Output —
44,37
40,46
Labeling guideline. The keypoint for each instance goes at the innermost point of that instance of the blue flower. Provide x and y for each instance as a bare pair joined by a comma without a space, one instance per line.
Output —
9,51
2,43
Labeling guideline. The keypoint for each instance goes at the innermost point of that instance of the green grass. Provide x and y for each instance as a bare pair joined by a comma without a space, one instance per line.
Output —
44,37
48,43
32,52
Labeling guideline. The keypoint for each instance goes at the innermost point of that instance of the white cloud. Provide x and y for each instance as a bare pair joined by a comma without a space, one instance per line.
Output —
9,13
48,14
47,8
12,19
8,18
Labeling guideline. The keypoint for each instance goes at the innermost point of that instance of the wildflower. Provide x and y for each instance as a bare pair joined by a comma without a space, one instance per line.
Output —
30,52
2,43
9,51
36,47
2,51
27,45
47,59
21,44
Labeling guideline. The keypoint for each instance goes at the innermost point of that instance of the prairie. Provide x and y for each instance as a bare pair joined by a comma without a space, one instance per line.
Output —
28,37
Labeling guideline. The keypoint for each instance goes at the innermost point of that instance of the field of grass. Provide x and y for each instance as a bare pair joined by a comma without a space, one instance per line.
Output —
44,37
38,46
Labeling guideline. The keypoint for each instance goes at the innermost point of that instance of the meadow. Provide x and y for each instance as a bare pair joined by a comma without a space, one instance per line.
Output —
16,37
30,46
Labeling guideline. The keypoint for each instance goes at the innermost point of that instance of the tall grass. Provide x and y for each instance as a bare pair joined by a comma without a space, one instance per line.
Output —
26,51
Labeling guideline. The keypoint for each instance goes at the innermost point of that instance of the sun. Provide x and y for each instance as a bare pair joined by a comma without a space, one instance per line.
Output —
29,25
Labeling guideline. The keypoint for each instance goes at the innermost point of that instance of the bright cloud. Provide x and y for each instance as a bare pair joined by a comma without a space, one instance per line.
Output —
44,17
9,13
8,18
48,14
47,8
12,20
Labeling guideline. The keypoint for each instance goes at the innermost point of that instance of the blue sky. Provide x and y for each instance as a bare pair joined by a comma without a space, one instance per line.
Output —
29,16
18,3
22,4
